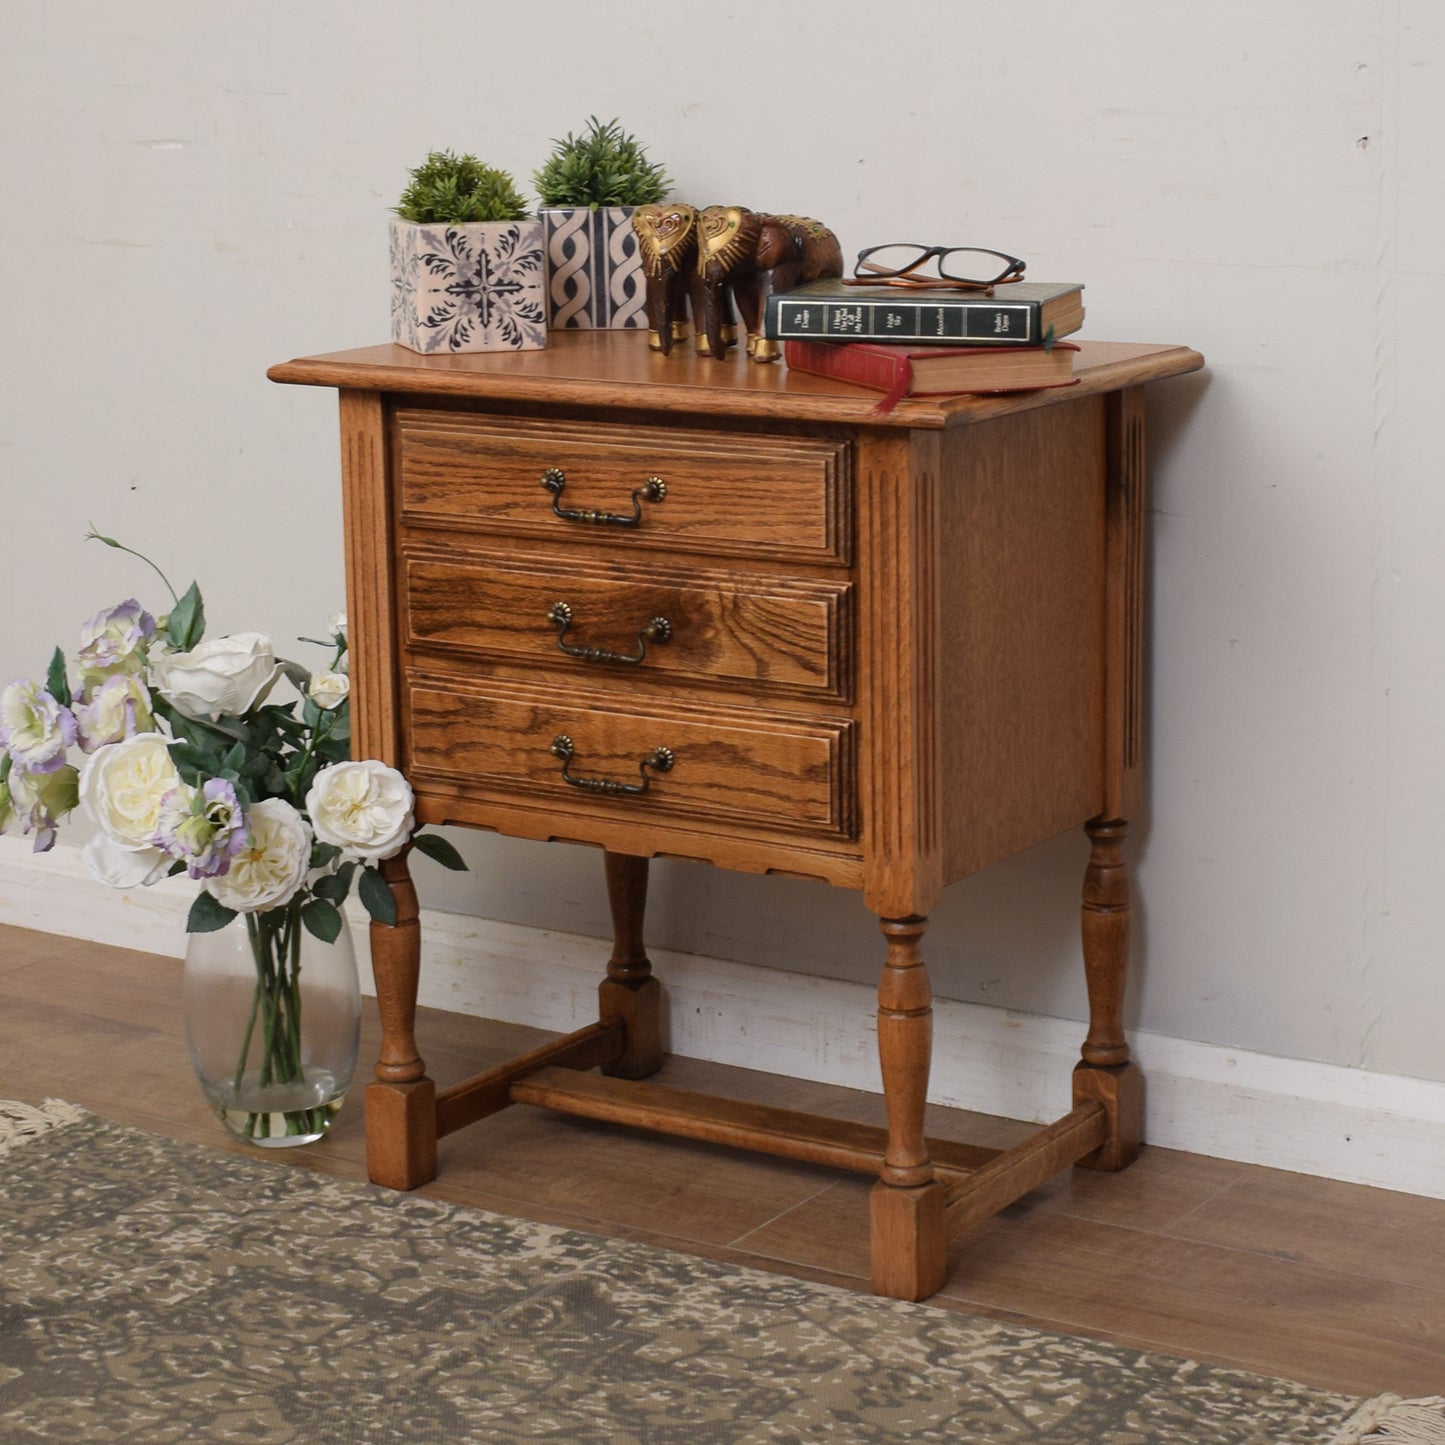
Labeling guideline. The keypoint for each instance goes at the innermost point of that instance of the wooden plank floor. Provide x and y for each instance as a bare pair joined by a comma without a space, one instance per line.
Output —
1331,1284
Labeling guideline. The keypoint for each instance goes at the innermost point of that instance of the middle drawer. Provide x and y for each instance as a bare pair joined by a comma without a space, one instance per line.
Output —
769,634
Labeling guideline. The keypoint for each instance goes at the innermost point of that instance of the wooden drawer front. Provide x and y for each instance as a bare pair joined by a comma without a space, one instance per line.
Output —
788,497
788,774
722,627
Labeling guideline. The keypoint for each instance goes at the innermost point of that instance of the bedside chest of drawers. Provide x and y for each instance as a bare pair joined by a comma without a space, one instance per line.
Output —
713,610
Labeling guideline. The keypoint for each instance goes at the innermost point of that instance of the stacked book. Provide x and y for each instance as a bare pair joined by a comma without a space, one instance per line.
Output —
930,343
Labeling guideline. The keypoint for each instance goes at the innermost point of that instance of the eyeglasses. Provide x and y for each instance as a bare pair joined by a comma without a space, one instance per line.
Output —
962,268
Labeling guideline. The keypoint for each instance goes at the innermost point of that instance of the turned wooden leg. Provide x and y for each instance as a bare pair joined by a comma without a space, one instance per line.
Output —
1105,1072
401,1130
909,1243
630,992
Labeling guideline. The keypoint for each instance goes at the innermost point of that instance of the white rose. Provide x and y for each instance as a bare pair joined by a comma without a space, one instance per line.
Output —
272,865
227,675
123,784
108,862
328,689
364,808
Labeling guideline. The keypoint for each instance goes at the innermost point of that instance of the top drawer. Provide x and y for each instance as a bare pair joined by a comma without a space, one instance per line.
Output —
754,495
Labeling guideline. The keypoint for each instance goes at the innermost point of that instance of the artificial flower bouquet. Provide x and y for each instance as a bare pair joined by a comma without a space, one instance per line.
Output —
187,765
189,768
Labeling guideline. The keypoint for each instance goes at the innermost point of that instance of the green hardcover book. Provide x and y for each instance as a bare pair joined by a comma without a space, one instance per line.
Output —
1022,313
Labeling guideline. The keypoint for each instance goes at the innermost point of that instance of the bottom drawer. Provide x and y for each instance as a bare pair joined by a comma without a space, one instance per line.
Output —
791,774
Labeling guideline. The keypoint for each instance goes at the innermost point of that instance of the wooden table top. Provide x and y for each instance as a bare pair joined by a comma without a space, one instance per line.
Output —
616,369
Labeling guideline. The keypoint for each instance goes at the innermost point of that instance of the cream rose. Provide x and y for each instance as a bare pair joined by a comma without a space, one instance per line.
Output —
123,785
328,689
225,676
272,865
107,862
365,808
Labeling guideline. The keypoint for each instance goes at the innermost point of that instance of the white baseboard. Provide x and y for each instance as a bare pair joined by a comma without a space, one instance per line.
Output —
1310,1118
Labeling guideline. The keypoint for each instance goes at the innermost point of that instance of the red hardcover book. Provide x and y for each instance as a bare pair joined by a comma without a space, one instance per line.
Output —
900,371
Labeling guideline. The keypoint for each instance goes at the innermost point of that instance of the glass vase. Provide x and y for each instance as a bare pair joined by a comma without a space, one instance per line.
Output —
273,1023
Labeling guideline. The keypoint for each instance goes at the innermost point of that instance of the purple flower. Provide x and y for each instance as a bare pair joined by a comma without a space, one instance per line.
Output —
41,800
34,728
204,827
114,641
118,709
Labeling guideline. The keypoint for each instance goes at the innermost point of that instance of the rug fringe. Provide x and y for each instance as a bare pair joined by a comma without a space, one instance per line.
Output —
1389,1420
20,1122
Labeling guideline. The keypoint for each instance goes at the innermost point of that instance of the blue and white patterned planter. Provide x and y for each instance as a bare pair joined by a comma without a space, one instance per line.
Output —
594,271
481,286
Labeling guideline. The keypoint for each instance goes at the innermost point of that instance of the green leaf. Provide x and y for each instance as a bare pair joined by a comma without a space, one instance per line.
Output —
439,850
323,919
207,915
335,886
324,854
235,759
376,897
333,751
193,753
56,683
188,620
299,676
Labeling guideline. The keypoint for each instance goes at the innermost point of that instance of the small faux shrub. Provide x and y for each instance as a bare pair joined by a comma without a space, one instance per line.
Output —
604,166
448,189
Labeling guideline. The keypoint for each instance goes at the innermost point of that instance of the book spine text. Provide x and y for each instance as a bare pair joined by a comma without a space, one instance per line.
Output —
997,323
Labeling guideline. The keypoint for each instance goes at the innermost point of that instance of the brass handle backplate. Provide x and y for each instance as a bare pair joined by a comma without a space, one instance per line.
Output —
654,489
658,629
660,760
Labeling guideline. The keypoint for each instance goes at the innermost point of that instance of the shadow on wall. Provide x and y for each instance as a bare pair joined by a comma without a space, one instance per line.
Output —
1007,937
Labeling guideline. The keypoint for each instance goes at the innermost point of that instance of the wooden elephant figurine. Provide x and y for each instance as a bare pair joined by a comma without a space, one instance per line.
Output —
667,243
750,255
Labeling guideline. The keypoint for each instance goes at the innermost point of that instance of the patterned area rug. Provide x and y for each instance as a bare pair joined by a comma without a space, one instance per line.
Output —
156,1292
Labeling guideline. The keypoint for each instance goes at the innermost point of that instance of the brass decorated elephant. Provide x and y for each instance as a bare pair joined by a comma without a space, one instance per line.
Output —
667,243
748,256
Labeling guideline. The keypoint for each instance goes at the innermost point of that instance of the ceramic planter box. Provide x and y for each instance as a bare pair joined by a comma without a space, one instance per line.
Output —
594,270
479,286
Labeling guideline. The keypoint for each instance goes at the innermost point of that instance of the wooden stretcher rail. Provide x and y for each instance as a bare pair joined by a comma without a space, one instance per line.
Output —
1013,1173
462,1104
809,1137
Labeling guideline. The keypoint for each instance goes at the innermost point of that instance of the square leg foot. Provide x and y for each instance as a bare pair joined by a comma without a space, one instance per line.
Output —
1120,1090
639,1006
909,1240
401,1134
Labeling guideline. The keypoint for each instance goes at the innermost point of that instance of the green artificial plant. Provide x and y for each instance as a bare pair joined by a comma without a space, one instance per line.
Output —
448,189
604,166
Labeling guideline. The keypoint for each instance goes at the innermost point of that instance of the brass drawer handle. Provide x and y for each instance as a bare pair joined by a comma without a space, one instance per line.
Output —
659,629
654,489
660,760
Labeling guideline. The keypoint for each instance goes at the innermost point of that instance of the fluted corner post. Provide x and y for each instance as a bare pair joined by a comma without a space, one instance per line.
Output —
630,992
1105,1072
401,1131
909,1253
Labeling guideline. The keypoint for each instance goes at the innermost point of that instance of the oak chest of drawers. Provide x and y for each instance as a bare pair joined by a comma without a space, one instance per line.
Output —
711,610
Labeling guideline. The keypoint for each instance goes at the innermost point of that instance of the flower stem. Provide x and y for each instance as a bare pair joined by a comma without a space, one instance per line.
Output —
94,536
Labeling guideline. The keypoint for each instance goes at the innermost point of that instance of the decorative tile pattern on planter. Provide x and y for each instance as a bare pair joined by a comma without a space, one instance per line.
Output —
595,277
474,287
